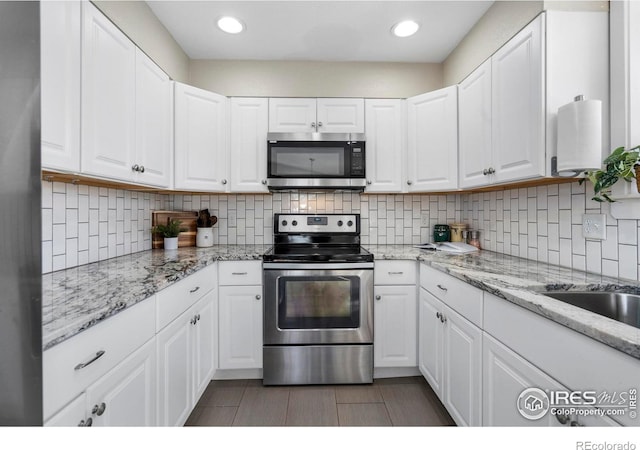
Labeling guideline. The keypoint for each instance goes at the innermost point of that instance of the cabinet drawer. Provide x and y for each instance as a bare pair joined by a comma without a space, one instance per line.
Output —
240,273
458,295
394,272
100,348
178,297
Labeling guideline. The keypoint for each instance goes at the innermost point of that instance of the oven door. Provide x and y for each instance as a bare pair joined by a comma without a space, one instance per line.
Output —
318,304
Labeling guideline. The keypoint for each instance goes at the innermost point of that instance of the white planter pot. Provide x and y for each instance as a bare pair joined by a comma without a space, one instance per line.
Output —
204,237
171,243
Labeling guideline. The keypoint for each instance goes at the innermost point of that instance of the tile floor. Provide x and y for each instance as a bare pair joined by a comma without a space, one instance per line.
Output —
405,401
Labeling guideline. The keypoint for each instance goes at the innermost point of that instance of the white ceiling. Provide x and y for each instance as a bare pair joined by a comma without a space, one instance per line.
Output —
320,30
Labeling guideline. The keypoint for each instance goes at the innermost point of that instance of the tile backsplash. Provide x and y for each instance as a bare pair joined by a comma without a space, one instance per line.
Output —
84,224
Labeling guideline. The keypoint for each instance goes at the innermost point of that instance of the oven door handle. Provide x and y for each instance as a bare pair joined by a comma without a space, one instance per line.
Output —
316,266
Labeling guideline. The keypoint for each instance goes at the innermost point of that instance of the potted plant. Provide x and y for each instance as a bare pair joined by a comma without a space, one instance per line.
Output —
170,232
620,163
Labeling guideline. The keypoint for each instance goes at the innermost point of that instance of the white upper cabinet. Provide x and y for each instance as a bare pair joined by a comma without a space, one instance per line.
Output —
248,150
200,139
474,121
432,122
60,49
126,107
108,97
518,126
154,122
385,152
310,115
340,115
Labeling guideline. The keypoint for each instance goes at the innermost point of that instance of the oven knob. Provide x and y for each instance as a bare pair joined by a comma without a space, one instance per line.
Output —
349,223
284,223
339,223
294,223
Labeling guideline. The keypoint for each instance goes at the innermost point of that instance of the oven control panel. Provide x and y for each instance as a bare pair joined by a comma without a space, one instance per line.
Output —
317,223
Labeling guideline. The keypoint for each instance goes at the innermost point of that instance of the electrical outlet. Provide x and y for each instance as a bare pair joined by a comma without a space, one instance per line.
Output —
594,226
424,219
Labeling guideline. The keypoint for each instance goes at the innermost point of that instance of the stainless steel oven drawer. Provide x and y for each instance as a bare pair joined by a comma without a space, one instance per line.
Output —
318,364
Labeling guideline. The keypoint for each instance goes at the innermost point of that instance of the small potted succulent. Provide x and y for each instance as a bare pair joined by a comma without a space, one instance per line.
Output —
620,163
170,232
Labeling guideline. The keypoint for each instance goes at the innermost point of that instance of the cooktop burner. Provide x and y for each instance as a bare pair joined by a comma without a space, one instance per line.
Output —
317,238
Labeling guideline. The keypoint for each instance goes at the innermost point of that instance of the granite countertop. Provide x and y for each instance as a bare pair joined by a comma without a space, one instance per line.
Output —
524,282
78,298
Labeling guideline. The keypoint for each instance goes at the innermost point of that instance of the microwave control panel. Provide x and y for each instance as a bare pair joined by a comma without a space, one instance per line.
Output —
357,159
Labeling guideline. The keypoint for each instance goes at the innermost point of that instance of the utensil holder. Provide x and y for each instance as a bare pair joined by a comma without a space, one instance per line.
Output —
204,237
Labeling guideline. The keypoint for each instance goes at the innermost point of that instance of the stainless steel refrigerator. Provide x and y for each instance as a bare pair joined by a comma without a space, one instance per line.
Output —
20,221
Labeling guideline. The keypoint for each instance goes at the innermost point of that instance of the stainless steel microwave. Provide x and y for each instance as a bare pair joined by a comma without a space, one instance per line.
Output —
317,161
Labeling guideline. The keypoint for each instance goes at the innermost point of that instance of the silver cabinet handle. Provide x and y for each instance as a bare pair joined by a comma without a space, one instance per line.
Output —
485,172
443,288
258,297
369,182
198,318
396,273
193,320
378,297
491,170
313,124
264,181
91,361
98,410
224,181
409,182
135,168
195,289
86,423
438,315
141,169
443,319
319,124
238,273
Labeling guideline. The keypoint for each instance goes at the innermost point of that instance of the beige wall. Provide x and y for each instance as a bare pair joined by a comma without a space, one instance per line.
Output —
503,20
315,79
137,21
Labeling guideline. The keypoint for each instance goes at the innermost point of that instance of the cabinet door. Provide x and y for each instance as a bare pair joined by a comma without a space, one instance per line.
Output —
240,325
518,131
292,115
126,396
248,152
505,375
108,98
385,152
60,50
474,122
431,341
174,371
395,324
200,139
340,115
204,333
432,122
72,415
154,123
462,369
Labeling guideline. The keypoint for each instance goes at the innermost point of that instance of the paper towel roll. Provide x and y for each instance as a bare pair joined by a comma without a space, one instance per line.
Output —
579,137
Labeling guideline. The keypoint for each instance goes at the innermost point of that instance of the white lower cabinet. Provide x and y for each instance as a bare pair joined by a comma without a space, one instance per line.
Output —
186,361
395,326
450,353
240,327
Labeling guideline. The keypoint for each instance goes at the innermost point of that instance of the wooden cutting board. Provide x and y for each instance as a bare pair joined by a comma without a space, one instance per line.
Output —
188,219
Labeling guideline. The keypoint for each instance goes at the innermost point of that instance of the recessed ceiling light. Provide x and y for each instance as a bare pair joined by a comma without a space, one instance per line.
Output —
230,25
405,28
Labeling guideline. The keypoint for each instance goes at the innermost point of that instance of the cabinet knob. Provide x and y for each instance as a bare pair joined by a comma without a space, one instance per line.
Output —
98,410
409,182
135,168
224,181
485,172
438,315
313,124
491,170
369,182
319,124
86,423
141,169
258,297
378,297
264,181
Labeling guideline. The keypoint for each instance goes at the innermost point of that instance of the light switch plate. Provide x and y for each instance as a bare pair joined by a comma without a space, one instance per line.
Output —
594,226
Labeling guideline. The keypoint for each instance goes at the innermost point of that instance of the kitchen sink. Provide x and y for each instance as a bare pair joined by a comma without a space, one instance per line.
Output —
618,306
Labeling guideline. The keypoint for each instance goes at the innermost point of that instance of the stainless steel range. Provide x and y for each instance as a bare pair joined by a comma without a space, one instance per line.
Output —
318,302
